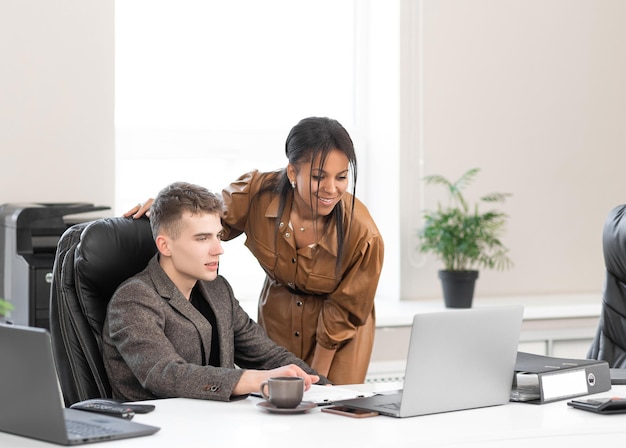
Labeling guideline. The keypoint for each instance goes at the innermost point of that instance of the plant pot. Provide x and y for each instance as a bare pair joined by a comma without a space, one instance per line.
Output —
458,288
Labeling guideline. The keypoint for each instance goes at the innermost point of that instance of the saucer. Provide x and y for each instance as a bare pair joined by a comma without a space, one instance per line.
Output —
302,407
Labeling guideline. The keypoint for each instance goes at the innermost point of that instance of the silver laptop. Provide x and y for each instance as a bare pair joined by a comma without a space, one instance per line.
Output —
458,359
32,402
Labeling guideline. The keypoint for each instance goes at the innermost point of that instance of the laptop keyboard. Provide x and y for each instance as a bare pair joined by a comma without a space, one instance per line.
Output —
87,430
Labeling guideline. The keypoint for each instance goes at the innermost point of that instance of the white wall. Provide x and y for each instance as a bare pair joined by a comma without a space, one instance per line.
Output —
533,93
56,101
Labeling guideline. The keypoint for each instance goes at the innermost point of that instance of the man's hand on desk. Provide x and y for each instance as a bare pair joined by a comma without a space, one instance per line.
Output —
250,381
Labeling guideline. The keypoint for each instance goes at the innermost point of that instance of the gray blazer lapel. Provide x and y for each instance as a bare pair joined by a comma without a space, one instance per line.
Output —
170,293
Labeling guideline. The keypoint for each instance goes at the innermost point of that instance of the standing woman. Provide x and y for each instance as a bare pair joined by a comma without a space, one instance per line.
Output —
319,247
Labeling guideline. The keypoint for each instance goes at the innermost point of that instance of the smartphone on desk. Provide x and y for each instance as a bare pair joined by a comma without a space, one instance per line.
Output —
349,412
605,405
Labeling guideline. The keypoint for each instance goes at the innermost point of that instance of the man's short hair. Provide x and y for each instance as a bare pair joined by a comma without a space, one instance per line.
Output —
179,198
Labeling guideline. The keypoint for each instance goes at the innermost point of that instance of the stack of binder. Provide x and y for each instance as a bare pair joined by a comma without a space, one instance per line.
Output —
542,379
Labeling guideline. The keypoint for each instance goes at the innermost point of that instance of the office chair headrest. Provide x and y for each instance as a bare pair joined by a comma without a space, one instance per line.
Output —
614,242
110,251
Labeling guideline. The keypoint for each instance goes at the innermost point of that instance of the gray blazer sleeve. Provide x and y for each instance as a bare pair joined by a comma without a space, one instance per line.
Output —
248,342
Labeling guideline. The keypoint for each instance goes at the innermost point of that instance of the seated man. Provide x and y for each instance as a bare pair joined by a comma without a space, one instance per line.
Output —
175,329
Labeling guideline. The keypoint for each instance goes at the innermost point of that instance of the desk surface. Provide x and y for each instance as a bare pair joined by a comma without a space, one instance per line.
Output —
197,423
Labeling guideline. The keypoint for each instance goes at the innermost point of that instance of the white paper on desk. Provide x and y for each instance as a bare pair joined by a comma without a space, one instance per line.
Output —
328,394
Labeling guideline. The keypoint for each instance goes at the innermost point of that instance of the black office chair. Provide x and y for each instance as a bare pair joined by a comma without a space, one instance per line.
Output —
609,343
92,260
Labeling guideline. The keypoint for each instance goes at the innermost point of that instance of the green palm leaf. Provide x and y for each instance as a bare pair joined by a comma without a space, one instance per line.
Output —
464,239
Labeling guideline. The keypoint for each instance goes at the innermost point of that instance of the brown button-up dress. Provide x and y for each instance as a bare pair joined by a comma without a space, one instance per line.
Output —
304,301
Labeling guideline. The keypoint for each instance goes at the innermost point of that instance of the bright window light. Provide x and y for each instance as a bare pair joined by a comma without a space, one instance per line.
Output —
208,90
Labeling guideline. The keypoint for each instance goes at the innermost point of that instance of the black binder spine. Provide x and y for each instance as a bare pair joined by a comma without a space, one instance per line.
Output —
572,383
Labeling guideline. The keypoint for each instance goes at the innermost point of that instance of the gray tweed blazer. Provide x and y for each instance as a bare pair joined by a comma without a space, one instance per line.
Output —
155,342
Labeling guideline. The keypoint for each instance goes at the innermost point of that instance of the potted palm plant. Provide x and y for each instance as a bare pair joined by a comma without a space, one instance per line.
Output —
5,307
464,238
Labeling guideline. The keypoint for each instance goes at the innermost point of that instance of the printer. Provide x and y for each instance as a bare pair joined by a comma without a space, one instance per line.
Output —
29,234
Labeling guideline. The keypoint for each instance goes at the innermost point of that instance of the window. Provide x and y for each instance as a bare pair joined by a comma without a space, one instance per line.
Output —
208,90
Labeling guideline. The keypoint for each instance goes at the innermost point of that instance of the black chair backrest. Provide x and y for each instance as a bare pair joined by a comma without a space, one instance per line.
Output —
609,343
91,261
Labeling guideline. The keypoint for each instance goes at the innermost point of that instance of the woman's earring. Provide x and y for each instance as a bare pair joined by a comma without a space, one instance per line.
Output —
293,185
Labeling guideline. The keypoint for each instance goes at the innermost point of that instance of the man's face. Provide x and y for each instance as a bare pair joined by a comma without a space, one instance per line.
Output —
195,253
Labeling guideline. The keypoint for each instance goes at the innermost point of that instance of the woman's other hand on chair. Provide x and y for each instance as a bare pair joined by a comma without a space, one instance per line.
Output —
139,210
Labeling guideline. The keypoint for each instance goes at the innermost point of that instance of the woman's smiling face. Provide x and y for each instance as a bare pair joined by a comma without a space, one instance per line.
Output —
319,189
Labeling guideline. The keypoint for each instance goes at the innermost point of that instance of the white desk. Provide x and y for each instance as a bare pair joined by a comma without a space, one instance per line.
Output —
197,423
